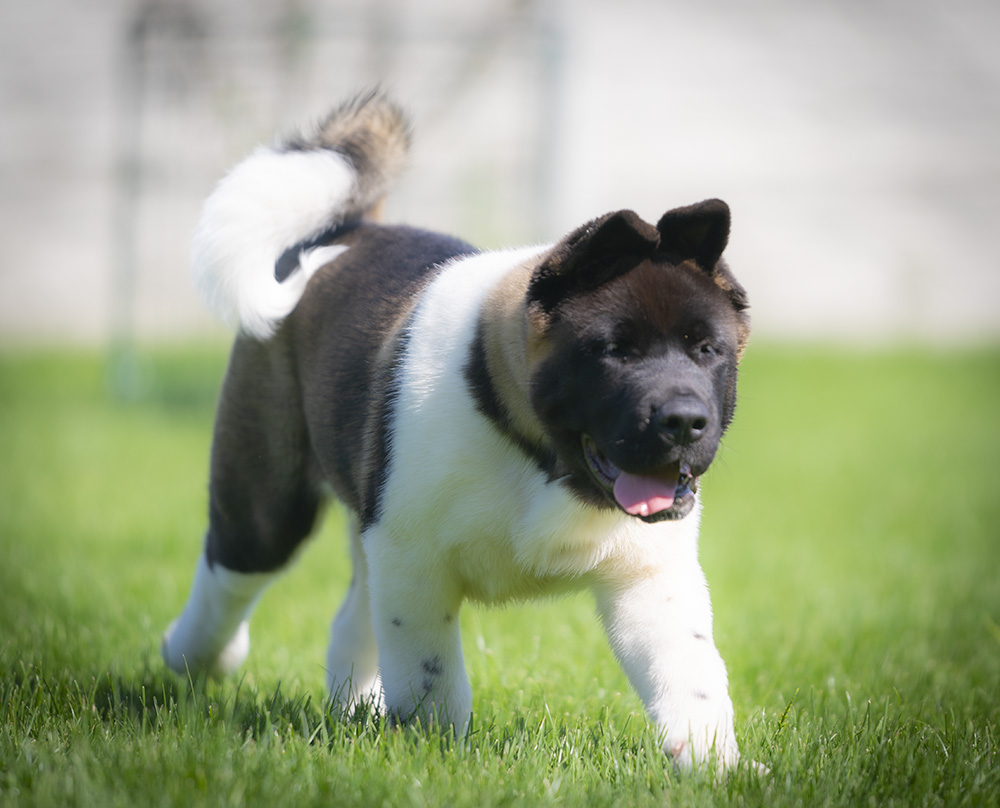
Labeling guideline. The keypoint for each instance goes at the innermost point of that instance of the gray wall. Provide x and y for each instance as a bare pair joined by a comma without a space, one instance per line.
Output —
857,143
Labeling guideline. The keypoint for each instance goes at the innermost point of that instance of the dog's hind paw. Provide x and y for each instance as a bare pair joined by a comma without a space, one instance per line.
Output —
184,655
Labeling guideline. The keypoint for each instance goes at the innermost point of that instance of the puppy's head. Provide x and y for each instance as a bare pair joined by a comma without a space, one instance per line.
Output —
638,331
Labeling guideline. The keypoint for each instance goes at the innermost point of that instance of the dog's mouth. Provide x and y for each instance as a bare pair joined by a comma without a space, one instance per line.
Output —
667,493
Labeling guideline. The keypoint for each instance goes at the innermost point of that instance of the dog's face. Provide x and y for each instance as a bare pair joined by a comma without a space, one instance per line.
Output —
637,345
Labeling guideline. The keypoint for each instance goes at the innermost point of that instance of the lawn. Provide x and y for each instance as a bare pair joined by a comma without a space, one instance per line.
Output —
850,539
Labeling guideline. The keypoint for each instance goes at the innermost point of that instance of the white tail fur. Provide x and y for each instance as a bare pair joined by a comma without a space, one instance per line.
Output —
281,197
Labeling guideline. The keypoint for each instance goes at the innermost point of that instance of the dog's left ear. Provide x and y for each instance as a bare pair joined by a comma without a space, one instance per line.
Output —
699,232
589,257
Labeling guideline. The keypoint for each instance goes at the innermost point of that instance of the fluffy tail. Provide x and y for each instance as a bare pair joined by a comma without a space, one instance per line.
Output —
282,198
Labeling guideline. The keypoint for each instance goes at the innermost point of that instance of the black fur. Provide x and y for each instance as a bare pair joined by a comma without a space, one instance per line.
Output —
656,333
590,257
264,480
289,419
349,327
288,261
699,232
490,404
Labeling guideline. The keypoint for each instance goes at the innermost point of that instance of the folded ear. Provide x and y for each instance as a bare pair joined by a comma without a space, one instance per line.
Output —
698,232
590,257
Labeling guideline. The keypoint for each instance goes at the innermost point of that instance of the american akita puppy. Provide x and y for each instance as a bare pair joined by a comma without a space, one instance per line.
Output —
500,425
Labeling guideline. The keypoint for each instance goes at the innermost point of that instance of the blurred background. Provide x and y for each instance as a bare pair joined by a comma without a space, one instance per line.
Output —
851,533
858,144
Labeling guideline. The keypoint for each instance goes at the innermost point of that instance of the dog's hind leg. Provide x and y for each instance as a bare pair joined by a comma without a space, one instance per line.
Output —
264,500
212,634
352,659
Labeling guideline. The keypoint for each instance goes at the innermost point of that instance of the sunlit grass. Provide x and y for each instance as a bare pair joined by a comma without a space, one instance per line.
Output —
849,538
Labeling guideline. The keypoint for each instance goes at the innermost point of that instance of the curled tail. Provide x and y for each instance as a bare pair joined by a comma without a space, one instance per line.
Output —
245,255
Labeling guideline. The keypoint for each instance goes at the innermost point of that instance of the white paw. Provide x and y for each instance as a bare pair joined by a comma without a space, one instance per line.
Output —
704,745
185,652
688,755
349,695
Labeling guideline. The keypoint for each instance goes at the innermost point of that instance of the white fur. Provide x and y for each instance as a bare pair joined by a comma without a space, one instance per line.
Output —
313,259
271,201
352,675
212,633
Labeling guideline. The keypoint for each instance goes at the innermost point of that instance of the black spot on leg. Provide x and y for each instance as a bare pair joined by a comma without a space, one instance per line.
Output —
699,636
396,621
701,695
448,618
432,669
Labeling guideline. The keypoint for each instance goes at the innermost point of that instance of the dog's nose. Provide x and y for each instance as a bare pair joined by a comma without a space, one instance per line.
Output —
683,420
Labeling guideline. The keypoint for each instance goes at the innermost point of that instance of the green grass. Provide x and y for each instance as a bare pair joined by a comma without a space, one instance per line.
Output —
850,539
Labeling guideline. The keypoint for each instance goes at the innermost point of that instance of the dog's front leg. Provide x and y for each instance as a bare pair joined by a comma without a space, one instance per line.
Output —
415,614
660,628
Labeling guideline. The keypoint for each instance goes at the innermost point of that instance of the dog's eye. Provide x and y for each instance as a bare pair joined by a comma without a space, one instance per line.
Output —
612,349
617,350
703,348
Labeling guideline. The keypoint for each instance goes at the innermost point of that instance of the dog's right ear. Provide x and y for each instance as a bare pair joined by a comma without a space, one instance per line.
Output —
588,258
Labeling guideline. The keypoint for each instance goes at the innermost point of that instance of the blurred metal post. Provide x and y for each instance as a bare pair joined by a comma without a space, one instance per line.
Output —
140,62
551,89
123,372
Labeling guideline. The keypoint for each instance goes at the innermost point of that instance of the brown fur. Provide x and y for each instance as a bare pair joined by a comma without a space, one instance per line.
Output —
514,346
373,133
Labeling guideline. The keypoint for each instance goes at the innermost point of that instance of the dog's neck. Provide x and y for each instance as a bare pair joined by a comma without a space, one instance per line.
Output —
513,348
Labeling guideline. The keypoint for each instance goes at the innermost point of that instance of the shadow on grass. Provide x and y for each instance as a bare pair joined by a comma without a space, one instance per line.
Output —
156,701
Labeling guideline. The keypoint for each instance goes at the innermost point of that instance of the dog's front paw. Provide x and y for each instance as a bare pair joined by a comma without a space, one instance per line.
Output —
703,749
718,754
706,739
187,653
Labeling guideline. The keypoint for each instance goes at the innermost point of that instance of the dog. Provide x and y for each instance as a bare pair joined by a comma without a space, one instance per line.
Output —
499,425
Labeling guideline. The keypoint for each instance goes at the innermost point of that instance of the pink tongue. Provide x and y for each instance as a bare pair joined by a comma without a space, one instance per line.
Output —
644,496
